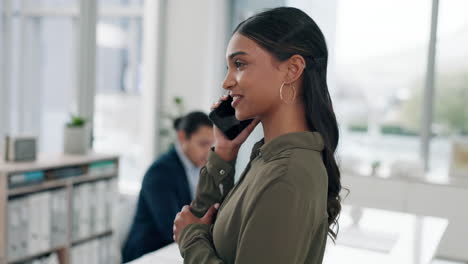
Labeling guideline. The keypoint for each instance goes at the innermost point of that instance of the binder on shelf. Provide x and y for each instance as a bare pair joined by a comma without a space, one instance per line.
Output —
93,252
14,225
84,217
102,168
76,212
25,179
38,222
93,207
109,202
67,172
49,259
102,254
44,221
53,259
107,244
33,224
59,214
74,255
94,247
101,204
23,236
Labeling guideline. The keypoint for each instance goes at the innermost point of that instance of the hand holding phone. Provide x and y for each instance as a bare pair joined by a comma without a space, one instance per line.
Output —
224,117
234,132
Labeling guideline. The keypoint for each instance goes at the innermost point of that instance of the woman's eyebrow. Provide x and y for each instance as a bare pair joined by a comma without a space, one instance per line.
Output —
237,53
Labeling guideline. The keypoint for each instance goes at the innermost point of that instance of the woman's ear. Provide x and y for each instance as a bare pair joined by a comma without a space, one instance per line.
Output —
296,65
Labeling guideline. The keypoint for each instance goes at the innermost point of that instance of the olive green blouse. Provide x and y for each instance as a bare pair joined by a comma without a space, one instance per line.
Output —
275,213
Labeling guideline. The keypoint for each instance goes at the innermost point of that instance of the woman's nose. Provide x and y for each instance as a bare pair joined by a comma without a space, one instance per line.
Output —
229,82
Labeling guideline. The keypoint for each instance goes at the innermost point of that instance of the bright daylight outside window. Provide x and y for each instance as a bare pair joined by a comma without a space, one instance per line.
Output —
118,88
381,57
450,123
43,69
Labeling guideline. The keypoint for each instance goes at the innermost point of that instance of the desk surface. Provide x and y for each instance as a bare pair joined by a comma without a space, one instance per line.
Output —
380,236
435,177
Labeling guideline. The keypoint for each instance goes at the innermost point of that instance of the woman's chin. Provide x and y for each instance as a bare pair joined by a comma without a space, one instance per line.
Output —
239,116
242,116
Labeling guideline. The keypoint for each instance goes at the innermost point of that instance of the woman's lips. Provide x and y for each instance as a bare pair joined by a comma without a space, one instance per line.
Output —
235,100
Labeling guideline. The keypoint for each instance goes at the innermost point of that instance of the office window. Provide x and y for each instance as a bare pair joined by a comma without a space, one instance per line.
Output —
3,90
54,4
119,3
41,70
58,40
381,51
2,38
118,89
450,119
12,72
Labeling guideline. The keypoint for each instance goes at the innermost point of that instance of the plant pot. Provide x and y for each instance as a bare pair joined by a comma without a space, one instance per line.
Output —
76,140
459,158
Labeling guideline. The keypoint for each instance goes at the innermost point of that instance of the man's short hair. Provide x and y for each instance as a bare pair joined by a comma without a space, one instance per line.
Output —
191,122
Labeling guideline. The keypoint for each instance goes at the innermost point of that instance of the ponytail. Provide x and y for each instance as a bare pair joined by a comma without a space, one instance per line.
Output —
321,118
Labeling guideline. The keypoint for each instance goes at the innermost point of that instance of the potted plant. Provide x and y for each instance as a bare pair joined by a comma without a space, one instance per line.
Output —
76,136
375,165
166,132
459,157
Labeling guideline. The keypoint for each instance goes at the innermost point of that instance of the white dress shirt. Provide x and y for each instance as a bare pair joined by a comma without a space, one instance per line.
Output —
191,170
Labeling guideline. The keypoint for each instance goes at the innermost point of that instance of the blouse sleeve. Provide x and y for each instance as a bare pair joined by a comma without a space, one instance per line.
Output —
216,180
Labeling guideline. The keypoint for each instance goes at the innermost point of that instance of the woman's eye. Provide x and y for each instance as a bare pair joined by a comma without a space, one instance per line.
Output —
239,64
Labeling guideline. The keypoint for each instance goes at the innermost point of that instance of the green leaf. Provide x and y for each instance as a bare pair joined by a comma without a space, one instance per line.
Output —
178,100
76,121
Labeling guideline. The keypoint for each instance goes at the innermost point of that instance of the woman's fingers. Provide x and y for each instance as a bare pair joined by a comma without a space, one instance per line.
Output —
217,103
247,131
243,135
214,106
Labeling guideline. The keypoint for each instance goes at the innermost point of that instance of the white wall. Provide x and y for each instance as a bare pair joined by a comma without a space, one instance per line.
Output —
4,58
324,13
194,54
183,57
151,72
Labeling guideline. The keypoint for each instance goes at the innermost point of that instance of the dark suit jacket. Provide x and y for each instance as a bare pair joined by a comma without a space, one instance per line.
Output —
164,191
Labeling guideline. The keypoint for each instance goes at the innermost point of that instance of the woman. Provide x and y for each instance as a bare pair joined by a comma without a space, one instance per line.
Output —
287,200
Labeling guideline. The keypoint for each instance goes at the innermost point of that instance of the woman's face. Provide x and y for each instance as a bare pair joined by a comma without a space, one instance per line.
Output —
253,79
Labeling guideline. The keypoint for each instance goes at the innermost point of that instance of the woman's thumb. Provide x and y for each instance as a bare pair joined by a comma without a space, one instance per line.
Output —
208,217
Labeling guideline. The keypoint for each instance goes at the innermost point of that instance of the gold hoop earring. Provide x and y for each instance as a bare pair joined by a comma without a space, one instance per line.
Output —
293,97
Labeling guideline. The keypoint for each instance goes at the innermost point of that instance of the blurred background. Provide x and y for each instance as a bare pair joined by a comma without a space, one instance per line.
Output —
398,77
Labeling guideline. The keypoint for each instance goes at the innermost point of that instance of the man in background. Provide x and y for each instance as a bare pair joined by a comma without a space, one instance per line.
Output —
168,185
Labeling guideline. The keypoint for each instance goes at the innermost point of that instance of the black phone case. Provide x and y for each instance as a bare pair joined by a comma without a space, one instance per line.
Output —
224,117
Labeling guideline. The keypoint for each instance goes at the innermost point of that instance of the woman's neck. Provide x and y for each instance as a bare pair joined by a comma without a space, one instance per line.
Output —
284,119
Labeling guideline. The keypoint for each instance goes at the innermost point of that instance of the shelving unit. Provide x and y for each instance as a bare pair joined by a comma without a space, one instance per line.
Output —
55,174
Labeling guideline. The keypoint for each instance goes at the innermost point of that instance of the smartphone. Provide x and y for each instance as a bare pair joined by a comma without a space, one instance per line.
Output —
224,117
